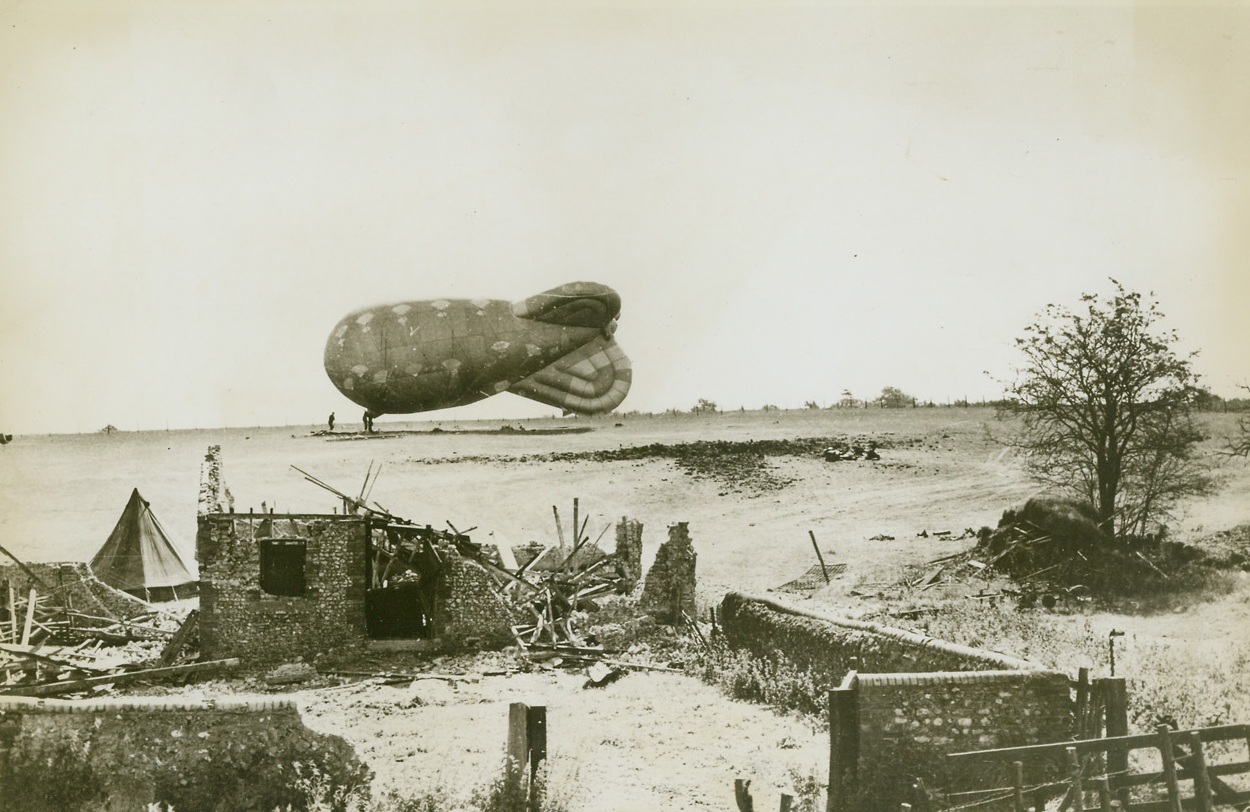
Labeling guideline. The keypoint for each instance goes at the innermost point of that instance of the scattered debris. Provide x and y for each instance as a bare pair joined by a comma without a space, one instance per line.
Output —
812,580
289,673
851,453
48,645
549,591
600,674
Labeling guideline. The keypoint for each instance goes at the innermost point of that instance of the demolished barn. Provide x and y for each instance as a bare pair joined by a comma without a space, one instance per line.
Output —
278,587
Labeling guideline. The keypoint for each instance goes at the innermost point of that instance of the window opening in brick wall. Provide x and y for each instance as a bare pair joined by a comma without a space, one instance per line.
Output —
282,563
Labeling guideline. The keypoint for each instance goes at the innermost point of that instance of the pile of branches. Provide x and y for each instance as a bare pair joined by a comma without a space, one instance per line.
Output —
1058,542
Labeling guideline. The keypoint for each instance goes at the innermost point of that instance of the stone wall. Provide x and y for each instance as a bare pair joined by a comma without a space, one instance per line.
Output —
467,603
629,552
907,723
829,646
123,754
214,495
670,587
239,619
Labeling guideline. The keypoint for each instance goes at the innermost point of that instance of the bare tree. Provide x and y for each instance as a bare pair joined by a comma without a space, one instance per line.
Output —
1107,406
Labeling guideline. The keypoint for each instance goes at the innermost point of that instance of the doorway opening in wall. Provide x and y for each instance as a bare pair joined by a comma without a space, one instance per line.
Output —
402,568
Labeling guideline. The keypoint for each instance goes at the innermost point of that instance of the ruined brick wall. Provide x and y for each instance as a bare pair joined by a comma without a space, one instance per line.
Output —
670,586
629,552
239,619
467,603
123,754
908,722
76,588
829,646
214,495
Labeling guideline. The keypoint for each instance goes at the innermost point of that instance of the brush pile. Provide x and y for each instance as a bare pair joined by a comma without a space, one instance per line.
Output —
1057,543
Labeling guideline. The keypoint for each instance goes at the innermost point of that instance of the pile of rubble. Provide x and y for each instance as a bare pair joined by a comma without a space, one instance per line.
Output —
1052,549
62,631
851,452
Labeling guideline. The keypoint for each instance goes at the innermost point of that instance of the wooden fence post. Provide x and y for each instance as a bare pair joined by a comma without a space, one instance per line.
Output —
1104,794
1082,704
527,748
1169,767
1017,770
1203,797
742,795
843,744
1078,791
1115,696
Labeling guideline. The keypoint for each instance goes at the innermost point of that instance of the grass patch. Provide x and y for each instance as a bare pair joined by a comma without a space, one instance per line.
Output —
778,683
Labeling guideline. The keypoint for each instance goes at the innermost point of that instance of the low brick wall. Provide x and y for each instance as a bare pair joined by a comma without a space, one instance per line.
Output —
906,700
123,754
907,723
239,619
829,646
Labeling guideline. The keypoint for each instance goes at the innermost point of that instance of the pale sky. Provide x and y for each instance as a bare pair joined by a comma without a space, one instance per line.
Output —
791,200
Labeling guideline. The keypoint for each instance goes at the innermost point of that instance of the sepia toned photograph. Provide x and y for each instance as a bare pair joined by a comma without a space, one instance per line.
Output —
605,406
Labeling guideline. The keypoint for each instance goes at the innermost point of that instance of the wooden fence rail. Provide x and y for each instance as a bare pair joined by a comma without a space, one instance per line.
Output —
1094,763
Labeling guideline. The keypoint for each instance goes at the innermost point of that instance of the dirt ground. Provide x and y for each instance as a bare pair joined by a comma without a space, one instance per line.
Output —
650,740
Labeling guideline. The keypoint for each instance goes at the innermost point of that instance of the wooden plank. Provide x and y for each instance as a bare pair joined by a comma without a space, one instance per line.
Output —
12,613
127,624
1232,768
176,643
45,654
30,616
67,686
1187,803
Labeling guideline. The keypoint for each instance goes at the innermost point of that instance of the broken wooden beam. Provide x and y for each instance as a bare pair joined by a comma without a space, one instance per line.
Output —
179,641
68,686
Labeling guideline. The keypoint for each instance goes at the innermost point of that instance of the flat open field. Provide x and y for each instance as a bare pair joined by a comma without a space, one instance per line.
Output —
940,470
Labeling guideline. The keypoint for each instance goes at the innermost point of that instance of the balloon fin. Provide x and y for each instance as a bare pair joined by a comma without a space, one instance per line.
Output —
592,379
